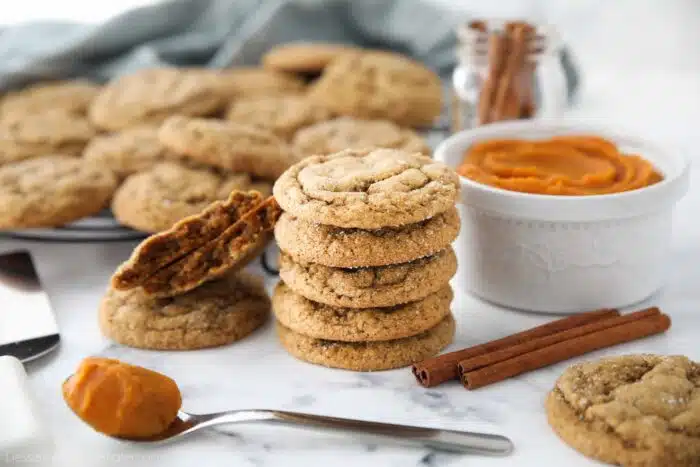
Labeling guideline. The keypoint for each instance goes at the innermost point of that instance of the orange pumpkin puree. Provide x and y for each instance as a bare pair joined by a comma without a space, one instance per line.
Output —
562,165
122,400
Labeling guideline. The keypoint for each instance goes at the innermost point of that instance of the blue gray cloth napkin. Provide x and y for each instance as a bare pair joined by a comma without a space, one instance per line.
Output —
222,33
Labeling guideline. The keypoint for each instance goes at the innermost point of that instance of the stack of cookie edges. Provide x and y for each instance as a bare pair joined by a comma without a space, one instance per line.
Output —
365,258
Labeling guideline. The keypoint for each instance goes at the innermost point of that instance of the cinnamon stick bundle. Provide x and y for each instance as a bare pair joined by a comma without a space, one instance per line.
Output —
645,323
507,89
437,370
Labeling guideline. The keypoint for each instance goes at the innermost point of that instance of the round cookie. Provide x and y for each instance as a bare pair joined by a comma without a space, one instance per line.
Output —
51,132
304,57
280,115
630,410
367,189
368,356
320,321
354,248
369,287
152,95
127,152
69,96
252,81
154,200
352,133
230,146
52,190
380,85
217,313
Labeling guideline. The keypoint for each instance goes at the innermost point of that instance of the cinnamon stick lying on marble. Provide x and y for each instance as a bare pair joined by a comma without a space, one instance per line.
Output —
566,345
437,370
480,361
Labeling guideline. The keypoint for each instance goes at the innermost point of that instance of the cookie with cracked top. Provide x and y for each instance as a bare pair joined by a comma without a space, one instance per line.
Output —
630,410
380,85
50,132
280,115
241,82
217,313
368,356
69,96
354,133
154,200
152,95
367,189
354,248
129,151
228,145
369,287
51,191
320,321
305,57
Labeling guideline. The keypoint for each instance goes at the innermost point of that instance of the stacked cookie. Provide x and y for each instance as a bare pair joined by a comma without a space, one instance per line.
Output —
181,289
365,258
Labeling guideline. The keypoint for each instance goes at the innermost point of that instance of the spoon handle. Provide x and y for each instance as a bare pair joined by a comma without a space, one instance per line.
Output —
445,440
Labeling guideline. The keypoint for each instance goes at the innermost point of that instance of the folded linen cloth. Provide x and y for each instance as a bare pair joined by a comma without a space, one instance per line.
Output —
221,33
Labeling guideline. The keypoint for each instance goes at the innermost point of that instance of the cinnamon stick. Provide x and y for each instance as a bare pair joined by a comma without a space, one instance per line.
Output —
545,356
497,356
507,101
498,50
527,109
437,370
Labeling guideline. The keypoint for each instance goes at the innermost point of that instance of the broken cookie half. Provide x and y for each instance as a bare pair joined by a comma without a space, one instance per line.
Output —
224,237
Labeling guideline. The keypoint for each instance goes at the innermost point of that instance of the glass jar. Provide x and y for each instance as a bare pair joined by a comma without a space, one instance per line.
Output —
506,70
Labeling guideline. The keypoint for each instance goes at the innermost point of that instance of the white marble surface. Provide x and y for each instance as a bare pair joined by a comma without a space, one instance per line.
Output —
661,102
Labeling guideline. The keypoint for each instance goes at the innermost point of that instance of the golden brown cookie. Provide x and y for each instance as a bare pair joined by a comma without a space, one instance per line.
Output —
188,234
232,250
72,96
129,151
320,321
51,132
154,200
369,287
354,248
352,133
150,96
367,189
230,146
632,410
51,191
280,115
251,81
380,85
217,313
304,57
368,356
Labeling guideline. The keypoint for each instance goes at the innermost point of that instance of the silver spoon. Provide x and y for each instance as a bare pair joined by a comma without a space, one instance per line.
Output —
388,433
445,440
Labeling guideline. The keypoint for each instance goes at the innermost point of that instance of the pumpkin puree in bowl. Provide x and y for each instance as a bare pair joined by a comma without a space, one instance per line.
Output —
122,400
563,165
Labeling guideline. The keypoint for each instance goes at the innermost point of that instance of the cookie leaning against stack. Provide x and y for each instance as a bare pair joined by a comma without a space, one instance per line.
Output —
366,258
182,289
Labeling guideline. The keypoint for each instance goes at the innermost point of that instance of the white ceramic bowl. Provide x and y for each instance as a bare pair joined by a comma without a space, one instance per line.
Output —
565,254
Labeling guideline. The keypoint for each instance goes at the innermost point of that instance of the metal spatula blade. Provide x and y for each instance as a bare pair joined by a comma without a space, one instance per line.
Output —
28,328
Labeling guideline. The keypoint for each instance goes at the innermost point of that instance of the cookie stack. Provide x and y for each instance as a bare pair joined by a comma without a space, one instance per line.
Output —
365,258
